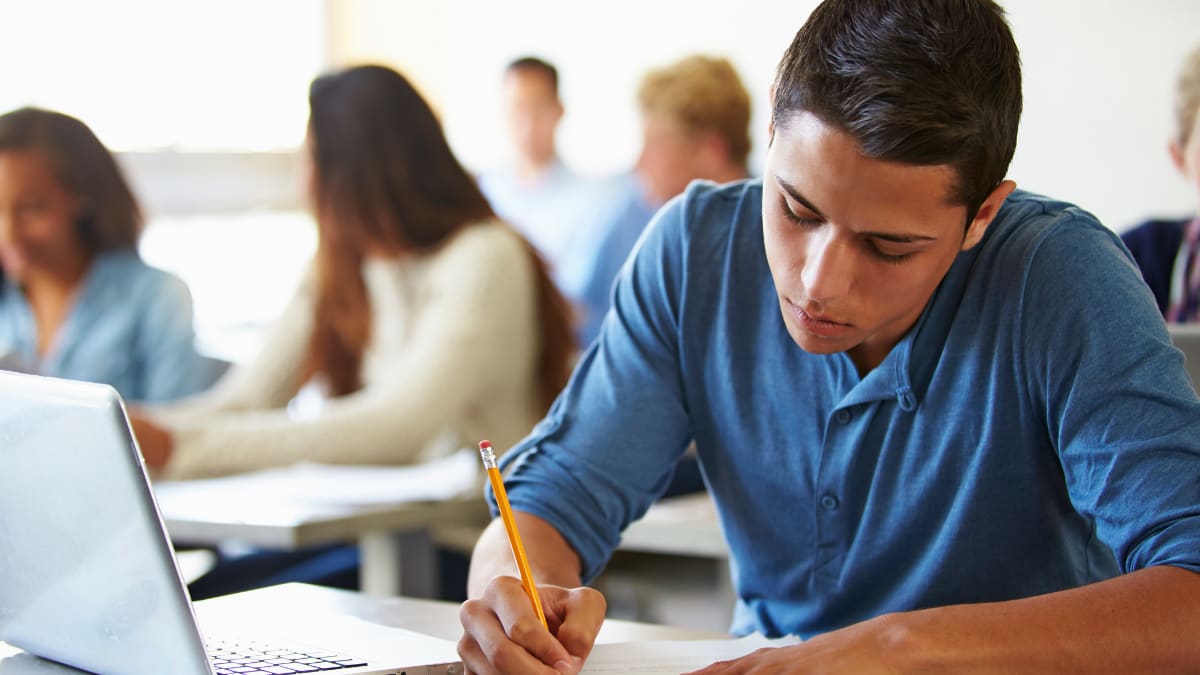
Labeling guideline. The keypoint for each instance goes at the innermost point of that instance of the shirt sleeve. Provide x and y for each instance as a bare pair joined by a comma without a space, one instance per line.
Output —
1117,401
606,450
268,380
171,367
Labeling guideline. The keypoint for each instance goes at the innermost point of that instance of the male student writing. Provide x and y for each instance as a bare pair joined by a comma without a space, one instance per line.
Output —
941,419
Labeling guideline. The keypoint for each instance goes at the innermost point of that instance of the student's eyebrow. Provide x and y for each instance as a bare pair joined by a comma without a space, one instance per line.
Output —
795,195
885,236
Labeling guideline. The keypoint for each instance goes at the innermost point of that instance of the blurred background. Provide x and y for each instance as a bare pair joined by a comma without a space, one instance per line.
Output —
206,103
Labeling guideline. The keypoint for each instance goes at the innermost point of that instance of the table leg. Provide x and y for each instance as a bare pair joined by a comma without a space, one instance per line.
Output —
402,563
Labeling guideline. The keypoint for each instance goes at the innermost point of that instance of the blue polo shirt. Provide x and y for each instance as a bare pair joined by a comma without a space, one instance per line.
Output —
1034,431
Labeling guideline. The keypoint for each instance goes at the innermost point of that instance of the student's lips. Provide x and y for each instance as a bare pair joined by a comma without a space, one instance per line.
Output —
818,325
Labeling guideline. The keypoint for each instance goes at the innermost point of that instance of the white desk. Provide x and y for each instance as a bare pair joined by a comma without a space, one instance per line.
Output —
398,556
692,587
685,525
295,602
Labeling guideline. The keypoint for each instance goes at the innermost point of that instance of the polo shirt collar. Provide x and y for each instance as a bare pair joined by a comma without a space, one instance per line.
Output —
890,380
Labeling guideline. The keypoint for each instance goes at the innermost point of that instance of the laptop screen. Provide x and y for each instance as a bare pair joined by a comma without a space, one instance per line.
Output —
87,574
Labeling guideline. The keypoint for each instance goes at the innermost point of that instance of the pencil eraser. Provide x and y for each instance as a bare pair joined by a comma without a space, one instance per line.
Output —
484,445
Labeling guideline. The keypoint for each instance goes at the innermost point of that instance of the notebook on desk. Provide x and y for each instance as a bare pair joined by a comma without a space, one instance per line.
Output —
1186,336
88,575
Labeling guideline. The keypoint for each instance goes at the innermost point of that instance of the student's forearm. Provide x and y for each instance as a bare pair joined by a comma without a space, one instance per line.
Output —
552,560
1143,622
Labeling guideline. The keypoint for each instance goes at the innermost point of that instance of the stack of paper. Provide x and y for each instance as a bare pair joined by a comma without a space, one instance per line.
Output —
663,657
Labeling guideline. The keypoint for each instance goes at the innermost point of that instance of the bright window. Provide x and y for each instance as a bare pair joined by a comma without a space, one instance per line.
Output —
221,75
206,104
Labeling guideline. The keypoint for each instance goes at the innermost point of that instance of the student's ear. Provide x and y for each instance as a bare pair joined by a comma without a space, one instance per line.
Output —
1176,151
771,116
987,212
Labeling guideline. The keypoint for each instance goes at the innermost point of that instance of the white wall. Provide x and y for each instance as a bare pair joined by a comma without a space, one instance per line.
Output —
220,75
601,50
1098,82
1098,76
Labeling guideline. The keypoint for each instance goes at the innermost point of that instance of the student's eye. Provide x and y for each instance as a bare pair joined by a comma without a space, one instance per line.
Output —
881,254
800,219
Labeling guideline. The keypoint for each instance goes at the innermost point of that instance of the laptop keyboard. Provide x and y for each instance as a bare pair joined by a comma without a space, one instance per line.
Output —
256,658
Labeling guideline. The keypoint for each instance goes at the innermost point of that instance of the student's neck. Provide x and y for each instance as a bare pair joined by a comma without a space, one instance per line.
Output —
727,173
531,170
50,296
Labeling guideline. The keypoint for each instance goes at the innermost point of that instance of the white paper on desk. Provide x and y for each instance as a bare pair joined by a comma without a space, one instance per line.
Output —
339,485
663,657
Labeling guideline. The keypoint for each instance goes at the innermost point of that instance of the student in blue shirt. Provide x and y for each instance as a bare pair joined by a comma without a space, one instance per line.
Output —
76,300
941,419
543,198
695,116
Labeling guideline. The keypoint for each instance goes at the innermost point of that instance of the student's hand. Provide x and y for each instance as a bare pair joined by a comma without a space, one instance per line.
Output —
155,441
502,634
868,648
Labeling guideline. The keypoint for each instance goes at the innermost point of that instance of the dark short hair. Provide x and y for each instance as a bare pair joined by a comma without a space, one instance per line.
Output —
923,82
532,64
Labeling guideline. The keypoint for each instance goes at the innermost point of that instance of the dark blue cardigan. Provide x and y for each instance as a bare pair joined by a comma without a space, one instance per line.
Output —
1154,245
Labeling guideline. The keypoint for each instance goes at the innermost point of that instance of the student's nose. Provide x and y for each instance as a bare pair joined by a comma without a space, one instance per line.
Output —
828,268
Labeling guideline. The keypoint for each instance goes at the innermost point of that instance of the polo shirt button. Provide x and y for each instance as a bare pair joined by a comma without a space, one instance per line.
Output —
829,502
843,416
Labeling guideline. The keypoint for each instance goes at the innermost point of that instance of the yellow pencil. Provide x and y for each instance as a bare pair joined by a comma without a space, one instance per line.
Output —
510,525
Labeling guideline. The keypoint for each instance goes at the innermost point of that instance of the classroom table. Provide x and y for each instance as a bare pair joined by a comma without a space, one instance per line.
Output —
686,525
697,591
395,540
297,602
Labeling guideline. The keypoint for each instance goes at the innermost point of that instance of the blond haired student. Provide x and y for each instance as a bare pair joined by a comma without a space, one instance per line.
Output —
695,117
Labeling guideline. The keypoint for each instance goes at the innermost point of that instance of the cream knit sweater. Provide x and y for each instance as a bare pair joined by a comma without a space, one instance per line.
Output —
452,358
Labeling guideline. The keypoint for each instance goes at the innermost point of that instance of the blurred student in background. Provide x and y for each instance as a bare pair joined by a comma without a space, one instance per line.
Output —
424,324
695,117
1168,251
76,300
695,125
536,192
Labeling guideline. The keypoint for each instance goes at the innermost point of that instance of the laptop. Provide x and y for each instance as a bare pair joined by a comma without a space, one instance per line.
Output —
1186,336
88,575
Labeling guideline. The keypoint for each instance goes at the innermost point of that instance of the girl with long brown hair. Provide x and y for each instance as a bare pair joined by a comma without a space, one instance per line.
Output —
424,324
